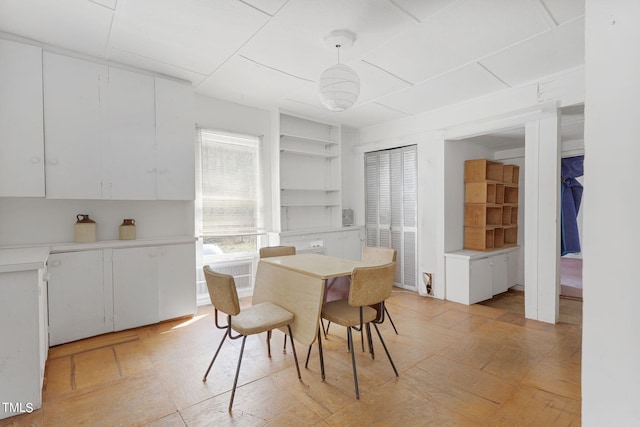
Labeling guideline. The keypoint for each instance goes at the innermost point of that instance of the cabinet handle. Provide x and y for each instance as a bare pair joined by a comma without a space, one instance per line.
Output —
46,277
55,263
35,160
53,162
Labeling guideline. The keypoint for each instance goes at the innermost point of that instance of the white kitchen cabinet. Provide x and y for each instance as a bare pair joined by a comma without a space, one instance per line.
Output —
23,316
135,287
176,280
80,300
130,160
474,276
21,127
112,134
74,120
106,286
175,140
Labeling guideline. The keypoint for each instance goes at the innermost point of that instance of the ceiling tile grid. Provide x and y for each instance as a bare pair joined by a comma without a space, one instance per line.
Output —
411,56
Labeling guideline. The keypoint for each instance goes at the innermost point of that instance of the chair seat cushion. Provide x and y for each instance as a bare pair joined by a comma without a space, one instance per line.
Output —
260,318
342,313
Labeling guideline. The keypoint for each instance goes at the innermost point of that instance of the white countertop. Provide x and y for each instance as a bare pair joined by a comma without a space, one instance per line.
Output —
469,254
23,259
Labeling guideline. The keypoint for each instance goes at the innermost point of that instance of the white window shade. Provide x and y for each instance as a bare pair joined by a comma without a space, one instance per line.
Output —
231,197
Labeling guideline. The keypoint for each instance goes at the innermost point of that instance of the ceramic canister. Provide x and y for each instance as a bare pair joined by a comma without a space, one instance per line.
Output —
128,229
84,230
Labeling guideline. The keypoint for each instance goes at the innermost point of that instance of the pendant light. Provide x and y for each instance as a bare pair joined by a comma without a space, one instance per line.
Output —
339,85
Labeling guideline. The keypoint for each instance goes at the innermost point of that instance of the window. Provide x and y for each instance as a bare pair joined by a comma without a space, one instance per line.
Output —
230,197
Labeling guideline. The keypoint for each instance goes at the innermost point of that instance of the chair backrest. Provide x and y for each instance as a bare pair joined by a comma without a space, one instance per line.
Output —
271,251
222,291
371,285
377,255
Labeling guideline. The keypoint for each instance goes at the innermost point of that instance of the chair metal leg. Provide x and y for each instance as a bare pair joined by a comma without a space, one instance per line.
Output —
390,319
353,362
293,347
269,343
370,341
284,346
385,349
306,364
235,381
204,379
325,331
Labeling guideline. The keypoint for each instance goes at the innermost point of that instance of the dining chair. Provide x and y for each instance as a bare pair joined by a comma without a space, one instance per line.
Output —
273,251
379,255
249,321
369,286
371,255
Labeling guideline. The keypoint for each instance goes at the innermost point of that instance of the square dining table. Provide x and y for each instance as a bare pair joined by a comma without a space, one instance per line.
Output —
297,283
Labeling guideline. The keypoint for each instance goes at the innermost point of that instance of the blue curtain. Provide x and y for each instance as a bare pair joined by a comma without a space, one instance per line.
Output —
571,191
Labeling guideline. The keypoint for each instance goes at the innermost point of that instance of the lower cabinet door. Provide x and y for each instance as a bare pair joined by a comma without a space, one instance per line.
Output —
135,287
176,280
77,296
480,280
500,275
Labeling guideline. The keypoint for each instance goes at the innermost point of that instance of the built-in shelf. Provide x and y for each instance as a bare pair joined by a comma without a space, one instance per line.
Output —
309,153
308,205
309,174
308,139
322,190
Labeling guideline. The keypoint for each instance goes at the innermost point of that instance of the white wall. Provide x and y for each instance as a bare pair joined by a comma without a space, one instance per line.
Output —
611,338
26,221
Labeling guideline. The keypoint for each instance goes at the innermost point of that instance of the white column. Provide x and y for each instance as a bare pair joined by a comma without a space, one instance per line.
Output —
611,318
542,219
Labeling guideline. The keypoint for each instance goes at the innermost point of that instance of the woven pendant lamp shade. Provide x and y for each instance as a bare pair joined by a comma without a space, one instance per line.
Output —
339,87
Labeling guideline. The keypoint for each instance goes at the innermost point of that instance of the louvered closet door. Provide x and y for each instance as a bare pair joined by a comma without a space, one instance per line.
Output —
391,207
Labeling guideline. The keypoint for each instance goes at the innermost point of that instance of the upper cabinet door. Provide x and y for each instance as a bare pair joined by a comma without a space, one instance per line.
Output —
74,126
175,140
130,153
21,134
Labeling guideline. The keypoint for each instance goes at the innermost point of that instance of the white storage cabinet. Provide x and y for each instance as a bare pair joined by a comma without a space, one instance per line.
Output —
116,134
474,276
120,287
21,129
24,338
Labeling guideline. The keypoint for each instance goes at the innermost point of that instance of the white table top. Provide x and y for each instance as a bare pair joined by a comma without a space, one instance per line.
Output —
320,266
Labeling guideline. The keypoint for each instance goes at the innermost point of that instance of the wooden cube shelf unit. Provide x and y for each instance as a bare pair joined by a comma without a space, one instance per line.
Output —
491,205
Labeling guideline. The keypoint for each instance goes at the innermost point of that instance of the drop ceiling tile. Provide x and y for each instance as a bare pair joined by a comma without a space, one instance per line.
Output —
293,40
270,7
546,54
421,9
364,115
462,33
564,10
456,86
197,35
77,25
245,82
131,59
